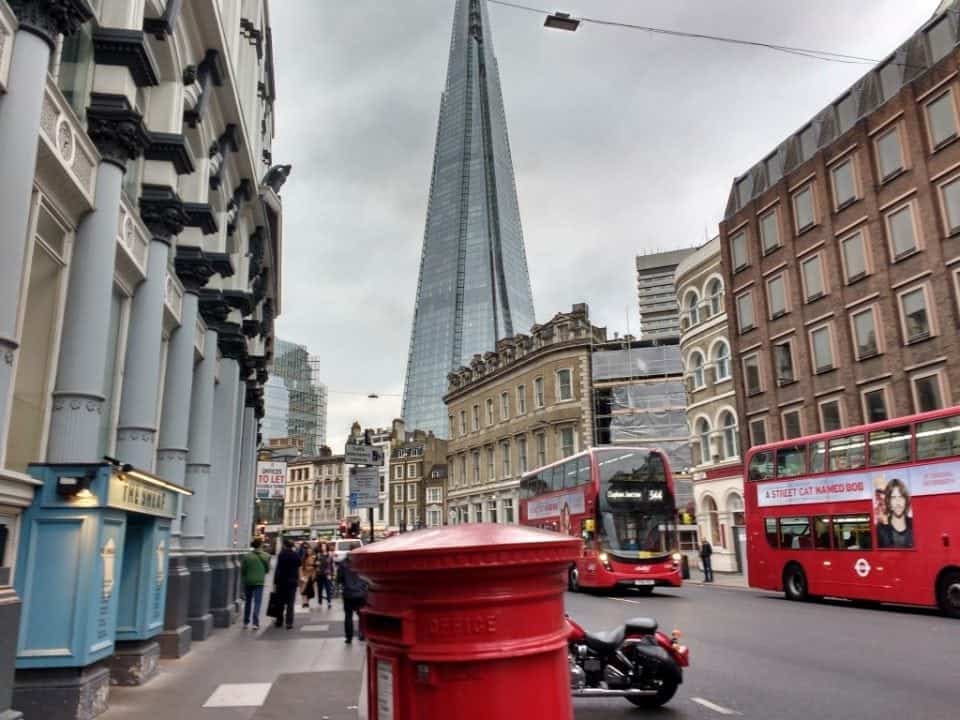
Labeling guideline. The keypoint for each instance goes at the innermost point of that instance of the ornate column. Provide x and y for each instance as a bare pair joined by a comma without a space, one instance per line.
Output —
248,460
40,23
117,129
162,211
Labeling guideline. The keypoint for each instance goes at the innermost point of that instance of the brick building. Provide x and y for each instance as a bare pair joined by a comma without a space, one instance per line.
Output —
841,252
414,456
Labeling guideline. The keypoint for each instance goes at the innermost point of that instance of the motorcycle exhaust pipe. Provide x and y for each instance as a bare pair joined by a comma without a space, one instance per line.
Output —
604,693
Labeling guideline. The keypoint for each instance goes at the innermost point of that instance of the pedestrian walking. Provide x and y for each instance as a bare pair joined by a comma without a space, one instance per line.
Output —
706,551
354,597
326,573
285,580
308,575
254,568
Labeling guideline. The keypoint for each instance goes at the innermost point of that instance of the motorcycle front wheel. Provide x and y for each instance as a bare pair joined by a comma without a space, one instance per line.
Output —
666,689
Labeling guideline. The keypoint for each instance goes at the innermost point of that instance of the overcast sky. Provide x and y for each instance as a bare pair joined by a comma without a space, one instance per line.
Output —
622,141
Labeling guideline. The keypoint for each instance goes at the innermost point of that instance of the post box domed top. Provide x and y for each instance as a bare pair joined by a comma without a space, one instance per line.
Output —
466,546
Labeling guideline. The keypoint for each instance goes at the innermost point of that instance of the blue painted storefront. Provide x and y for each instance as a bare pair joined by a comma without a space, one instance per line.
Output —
92,565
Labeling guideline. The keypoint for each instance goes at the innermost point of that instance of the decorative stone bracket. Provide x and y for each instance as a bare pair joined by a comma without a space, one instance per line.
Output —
129,49
193,268
49,18
116,128
161,210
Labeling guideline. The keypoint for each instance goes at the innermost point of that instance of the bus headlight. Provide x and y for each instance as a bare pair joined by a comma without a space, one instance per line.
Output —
605,559
677,557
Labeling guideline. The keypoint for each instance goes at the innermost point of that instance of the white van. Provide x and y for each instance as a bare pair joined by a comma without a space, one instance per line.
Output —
343,547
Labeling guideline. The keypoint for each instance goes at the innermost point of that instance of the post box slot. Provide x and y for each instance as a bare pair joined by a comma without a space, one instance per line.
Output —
387,627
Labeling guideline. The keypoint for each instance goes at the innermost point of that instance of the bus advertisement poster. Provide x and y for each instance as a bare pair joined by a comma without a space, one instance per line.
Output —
552,506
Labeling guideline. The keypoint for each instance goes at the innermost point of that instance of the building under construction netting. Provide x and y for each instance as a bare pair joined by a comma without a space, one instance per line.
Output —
296,400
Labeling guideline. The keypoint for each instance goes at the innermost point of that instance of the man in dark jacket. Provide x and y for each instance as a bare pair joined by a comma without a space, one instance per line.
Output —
354,597
285,580
706,553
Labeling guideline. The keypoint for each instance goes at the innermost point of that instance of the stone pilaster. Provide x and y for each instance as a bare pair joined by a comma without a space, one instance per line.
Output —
78,407
162,211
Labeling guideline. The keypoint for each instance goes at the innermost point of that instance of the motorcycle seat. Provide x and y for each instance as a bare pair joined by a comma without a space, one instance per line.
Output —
643,625
605,642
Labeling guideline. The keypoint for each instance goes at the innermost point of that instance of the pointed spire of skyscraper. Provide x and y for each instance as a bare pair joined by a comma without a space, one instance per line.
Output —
474,288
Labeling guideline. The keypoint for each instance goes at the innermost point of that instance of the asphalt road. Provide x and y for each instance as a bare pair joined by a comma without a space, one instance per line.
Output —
756,655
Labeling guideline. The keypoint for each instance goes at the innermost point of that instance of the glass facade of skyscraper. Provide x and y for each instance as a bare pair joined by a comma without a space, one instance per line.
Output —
474,287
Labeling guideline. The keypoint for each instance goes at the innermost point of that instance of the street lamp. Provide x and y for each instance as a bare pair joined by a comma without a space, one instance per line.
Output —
562,21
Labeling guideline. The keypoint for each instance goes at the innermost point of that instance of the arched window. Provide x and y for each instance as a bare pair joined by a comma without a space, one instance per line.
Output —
728,427
735,509
713,519
703,435
696,369
715,296
692,308
721,361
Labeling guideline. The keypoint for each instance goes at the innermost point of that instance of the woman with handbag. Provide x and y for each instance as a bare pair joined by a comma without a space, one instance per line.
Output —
308,575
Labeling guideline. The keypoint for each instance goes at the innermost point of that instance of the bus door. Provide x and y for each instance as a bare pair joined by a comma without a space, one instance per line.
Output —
857,568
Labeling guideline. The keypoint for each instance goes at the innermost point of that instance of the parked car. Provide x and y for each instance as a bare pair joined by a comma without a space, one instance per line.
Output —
343,547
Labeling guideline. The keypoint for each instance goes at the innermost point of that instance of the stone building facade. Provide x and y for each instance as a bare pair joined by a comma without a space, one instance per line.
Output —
841,253
524,405
413,457
138,289
716,456
316,496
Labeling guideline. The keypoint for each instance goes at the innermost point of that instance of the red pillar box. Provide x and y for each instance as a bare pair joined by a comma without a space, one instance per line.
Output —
467,622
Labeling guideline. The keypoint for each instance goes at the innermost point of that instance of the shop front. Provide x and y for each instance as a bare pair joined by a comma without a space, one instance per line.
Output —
92,572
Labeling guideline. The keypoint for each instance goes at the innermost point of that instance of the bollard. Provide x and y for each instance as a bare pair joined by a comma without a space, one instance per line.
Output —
467,622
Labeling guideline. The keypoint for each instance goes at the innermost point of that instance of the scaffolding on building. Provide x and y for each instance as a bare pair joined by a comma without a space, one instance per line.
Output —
304,418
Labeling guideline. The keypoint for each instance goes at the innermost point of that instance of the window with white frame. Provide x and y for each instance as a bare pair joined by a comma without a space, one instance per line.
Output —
875,404
478,512
452,427
715,295
803,212
538,392
541,449
821,348
831,415
844,185
508,510
505,458
564,385
463,470
476,418
783,362
703,438
777,295
504,406
434,495
521,400
522,453
928,391
491,511
434,518
491,465
411,492
463,422
950,198
942,119
774,172
489,412
398,516
792,424
854,256
696,370
721,361
398,493
914,315
691,308
889,154
728,433
811,270
738,251
751,374
770,231
476,467
745,315
865,333
567,442
758,431
901,232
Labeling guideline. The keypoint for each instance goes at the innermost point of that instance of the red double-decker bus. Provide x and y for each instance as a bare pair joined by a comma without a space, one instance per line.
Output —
867,513
620,501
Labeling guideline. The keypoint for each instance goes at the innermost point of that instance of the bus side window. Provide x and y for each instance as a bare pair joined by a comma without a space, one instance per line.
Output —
890,446
790,461
938,438
795,533
818,451
761,466
770,524
848,453
570,472
852,532
821,533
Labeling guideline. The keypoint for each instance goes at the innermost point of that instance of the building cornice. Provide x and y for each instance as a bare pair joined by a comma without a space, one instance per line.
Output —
126,48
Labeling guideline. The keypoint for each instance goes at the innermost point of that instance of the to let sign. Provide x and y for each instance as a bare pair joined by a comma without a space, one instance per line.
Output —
271,480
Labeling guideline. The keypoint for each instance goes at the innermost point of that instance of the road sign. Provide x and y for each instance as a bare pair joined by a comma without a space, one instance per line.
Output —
364,487
355,454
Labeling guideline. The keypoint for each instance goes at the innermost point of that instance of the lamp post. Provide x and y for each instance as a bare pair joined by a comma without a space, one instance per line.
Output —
562,21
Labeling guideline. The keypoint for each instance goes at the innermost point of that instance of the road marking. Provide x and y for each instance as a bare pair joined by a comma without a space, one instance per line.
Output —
315,628
626,600
239,695
716,708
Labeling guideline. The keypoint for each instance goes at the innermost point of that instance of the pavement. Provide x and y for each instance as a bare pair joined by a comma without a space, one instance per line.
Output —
753,654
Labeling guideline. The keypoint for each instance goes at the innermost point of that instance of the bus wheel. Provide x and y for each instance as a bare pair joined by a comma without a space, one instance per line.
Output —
948,593
573,580
794,583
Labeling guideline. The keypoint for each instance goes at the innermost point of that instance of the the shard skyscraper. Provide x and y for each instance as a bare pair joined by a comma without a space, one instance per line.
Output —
474,287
